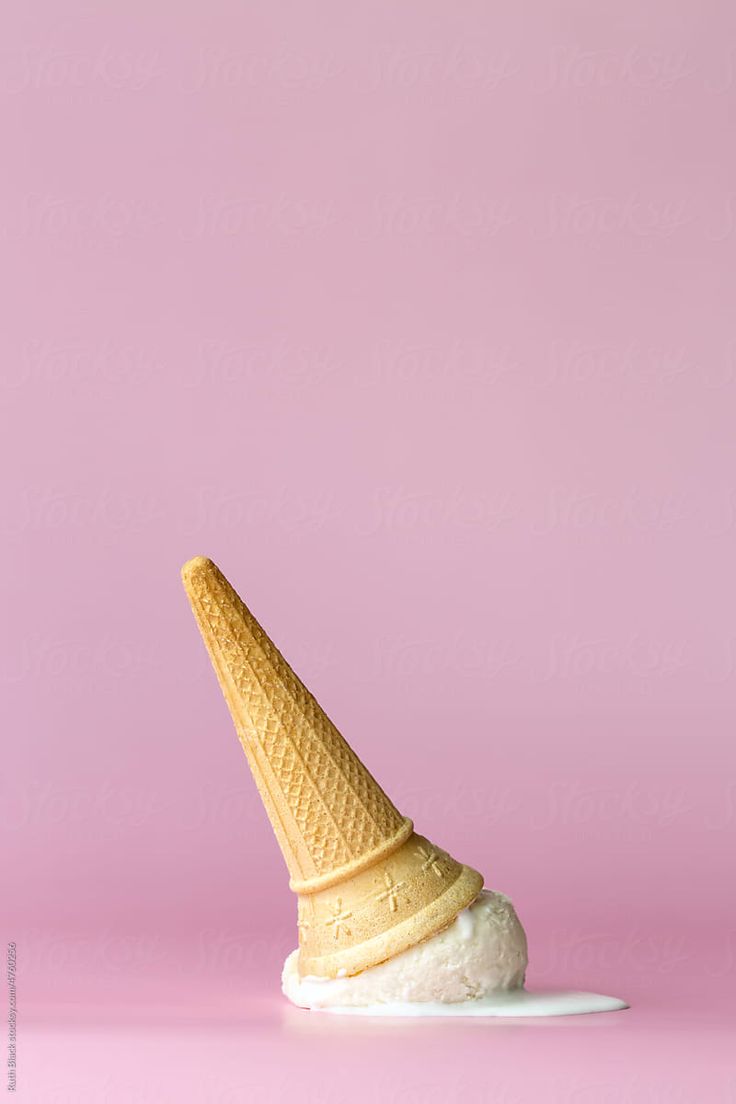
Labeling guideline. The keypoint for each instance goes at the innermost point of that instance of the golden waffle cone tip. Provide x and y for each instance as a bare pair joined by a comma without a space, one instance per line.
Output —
368,886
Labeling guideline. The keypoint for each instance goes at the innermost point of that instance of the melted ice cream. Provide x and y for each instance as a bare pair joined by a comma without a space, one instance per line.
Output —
475,967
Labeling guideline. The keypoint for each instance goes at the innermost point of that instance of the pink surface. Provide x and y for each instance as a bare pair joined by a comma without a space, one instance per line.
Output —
418,319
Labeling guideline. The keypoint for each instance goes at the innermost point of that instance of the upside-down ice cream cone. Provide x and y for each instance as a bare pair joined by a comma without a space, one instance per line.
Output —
368,886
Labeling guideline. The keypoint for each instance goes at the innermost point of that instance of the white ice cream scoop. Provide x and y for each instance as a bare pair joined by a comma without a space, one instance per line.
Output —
475,967
483,951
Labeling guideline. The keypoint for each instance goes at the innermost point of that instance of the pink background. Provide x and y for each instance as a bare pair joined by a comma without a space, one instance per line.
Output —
418,319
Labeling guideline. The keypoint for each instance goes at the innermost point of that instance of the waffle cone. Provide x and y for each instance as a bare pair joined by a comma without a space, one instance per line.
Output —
368,886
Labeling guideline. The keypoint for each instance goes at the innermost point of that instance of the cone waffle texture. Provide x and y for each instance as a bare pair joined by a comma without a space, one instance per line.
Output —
368,886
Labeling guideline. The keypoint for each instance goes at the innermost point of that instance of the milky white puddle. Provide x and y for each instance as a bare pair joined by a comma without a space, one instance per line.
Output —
518,1002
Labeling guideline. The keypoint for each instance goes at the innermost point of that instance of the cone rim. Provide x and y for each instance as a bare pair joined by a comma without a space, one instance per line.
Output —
431,920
